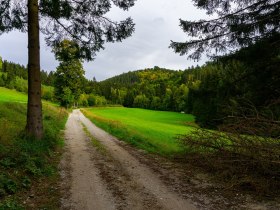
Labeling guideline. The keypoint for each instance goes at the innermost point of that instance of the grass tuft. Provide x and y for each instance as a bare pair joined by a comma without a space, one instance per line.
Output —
100,147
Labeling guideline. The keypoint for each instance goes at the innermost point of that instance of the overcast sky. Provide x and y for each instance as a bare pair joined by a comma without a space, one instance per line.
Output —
157,22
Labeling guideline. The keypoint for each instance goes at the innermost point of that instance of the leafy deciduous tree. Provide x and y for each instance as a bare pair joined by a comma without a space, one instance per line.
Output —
69,75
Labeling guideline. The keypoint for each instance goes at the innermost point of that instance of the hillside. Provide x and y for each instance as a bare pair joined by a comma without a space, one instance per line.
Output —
150,88
14,76
25,164
132,77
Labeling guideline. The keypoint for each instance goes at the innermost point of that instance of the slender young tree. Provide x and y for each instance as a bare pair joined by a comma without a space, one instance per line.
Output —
83,21
238,24
69,75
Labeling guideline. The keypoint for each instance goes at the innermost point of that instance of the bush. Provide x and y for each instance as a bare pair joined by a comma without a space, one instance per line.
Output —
95,100
91,100
83,100
141,101
48,93
20,85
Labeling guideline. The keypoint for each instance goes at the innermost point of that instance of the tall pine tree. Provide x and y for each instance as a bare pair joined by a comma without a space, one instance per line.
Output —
82,21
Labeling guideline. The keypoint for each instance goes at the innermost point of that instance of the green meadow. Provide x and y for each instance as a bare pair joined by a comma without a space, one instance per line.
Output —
7,95
153,131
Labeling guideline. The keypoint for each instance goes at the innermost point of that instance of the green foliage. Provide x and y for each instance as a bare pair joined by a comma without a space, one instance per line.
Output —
156,88
153,131
156,103
14,76
83,100
66,51
11,204
66,97
20,85
24,160
141,101
1,63
13,69
235,24
69,75
48,93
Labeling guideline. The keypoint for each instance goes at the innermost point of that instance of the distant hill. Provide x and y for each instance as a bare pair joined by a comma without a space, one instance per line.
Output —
17,70
153,88
14,76
132,77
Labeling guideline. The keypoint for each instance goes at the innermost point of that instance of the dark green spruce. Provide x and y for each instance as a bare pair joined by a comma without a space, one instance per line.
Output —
238,24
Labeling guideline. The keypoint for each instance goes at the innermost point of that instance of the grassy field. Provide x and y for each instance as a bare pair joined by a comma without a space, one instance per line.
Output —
28,166
153,131
7,95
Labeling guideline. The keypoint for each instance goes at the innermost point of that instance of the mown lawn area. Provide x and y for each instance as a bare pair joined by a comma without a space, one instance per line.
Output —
153,131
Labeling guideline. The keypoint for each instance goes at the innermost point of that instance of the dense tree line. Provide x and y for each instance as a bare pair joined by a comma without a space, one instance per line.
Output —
211,92
156,88
246,31
14,76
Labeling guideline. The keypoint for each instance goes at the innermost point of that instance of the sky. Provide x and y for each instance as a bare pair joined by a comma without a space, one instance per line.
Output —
157,22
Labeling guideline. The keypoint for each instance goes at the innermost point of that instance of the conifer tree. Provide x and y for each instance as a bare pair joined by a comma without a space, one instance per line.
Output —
82,21
238,24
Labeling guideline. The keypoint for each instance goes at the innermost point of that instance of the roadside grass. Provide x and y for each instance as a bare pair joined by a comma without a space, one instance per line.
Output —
153,131
28,168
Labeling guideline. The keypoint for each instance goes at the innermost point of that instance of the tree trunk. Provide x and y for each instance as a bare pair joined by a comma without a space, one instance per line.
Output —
34,126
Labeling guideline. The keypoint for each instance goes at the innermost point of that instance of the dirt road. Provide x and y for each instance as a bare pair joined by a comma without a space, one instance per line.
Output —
107,176
100,172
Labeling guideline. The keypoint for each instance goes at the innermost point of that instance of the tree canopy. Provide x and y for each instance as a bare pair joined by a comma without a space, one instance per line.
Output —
69,75
82,21
237,24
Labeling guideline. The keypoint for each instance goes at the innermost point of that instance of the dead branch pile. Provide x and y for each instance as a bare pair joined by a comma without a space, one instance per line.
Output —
245,150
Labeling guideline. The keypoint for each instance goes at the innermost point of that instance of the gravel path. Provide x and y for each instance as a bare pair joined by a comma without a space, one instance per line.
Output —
107,176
